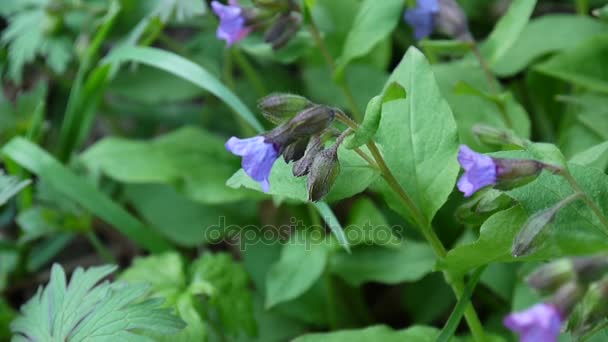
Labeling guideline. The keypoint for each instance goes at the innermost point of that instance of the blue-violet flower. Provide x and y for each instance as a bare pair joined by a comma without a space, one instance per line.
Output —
542,322
232,21
422,17
258,157
480,171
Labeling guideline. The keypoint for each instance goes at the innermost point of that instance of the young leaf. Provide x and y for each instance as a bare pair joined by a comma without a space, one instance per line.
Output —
418,137
375,21
84,309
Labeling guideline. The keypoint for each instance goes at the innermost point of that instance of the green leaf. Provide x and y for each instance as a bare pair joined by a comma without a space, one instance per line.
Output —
374,333
546,34
583,65
449,75
187,70
332,222
301,264
355,176
10,186
408,263
367,225
191,158
86,310
374,22
575,230
596,156
37,161
507,30
418,137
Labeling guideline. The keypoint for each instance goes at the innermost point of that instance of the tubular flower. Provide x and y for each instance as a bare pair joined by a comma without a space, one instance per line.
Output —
480,171
233,26
258,157
542,322
422,18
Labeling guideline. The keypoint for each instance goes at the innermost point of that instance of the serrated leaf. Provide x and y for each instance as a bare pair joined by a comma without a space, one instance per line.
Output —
375,21
418,136
84,309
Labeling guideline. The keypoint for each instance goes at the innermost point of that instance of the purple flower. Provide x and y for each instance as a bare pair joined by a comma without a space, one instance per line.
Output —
542,322
232,21
422,18
480,171
258,157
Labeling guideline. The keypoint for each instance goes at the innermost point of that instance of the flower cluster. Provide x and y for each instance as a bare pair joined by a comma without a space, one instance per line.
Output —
299,137
281,18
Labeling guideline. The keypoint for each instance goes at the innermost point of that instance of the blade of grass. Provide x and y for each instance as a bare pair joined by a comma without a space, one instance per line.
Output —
192,72
330,218
450,327
40,163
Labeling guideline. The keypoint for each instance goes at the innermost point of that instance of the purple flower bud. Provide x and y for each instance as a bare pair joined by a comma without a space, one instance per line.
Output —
542,322
233,25
258,157
480,171
422,18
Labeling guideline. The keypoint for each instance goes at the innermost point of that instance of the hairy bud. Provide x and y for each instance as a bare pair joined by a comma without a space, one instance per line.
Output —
452,20
309,122
302,166
295,151
548,278
323,173
285,28
278,108
496,136
567,296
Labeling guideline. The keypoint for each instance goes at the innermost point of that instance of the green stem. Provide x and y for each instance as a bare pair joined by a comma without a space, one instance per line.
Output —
103,252
227,73
250,72
316,34
582,7
588,200
425,227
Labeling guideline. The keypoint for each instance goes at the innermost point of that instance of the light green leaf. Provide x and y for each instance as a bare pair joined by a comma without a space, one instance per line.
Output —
86,310
187,70
547,34
39,162
596,156
374,22
409,262
10,186
374,333
584,65
419,138
194,159
301,264
332,222
507,30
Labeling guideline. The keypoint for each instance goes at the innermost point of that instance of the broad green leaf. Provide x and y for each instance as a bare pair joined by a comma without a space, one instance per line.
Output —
507,30
418,137
408,263
355,176
596,156
10,186
375,333
547,34
37,161
367,225
587,126
374,22
187,70
583,65
575,230
84,309
189,158
449,75
301,264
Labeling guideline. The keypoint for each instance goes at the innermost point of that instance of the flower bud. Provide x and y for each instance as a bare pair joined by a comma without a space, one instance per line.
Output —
285,28
323,173
550,277
452,20
590,269
524,241
482,206
278,108
302,166
511,173
308,122
567,296
295,151
496,137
